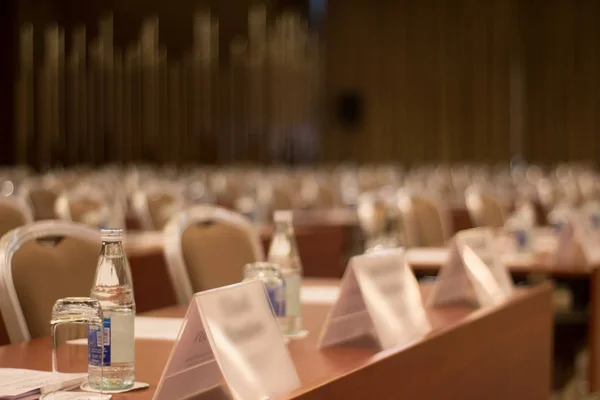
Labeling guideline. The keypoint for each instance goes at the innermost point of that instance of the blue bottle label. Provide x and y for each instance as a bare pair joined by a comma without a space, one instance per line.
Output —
595,221
521,238
558,227
277,300
94,349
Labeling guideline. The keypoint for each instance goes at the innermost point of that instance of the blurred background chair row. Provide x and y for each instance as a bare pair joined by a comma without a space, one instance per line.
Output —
144,197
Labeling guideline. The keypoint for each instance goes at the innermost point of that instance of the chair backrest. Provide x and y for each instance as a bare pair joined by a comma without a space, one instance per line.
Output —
282,198
484,208
40,194
155,206
372,214
13,214
426,220
39,264
89,207
207,247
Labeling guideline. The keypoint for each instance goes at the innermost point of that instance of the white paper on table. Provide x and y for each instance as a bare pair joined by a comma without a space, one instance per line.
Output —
153,328
17,382
543,241
157,328
75,396
427,255
379,295
319,294
517,258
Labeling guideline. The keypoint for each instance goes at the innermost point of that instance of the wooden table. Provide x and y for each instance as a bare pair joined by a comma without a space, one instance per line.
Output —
571,271
327,238
502,352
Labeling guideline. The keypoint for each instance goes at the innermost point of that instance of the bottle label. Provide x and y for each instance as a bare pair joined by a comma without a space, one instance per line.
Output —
595,218
292,295
119,346
522,239
277,299
94,349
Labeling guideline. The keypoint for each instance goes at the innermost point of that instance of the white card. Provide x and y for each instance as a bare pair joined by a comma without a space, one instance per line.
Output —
19,382
588,237
578,237
379,296
229,334
474,272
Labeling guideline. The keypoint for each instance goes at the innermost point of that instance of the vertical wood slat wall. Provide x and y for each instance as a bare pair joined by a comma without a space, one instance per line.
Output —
438,79
438,76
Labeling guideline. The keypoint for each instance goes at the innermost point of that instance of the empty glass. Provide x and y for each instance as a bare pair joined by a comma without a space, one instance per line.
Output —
270,275
75,320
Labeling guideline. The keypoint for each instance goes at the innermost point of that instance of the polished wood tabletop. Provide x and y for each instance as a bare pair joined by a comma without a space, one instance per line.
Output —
542,265
494,353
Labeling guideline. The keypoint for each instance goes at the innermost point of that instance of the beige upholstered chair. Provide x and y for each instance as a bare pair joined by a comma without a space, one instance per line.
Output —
372,214
282,198
426,220
156,204
41,194
39,264
88,206
484,208
13,213
206,247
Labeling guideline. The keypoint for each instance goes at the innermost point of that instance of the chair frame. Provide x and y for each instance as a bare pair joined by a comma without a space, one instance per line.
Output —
404,203
474,203
17,204
10,307
48,183
62,206
139,202
173,233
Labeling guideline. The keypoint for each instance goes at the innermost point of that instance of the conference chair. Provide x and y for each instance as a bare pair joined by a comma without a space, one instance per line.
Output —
372,212
319,194
228,186
425,218
155,204
39,264
88,206
282,197
13,213
484,208
40,193
206,247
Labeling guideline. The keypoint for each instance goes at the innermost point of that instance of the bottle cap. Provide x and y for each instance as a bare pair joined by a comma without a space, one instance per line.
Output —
112,234
283,216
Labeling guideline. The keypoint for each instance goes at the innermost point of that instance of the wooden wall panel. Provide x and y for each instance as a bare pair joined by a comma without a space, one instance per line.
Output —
442,80
439,78
561,40
7,71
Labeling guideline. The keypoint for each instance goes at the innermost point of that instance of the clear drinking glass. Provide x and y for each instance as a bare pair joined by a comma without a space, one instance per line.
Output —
270,275
74,321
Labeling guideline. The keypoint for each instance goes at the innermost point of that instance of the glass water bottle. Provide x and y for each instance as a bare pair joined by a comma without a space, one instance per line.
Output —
114,290
284,252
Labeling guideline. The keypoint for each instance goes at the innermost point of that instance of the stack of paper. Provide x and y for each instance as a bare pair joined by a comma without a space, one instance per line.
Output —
319,294
28,384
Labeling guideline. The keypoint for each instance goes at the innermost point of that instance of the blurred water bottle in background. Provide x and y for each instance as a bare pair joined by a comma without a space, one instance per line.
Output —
284,252
559,217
